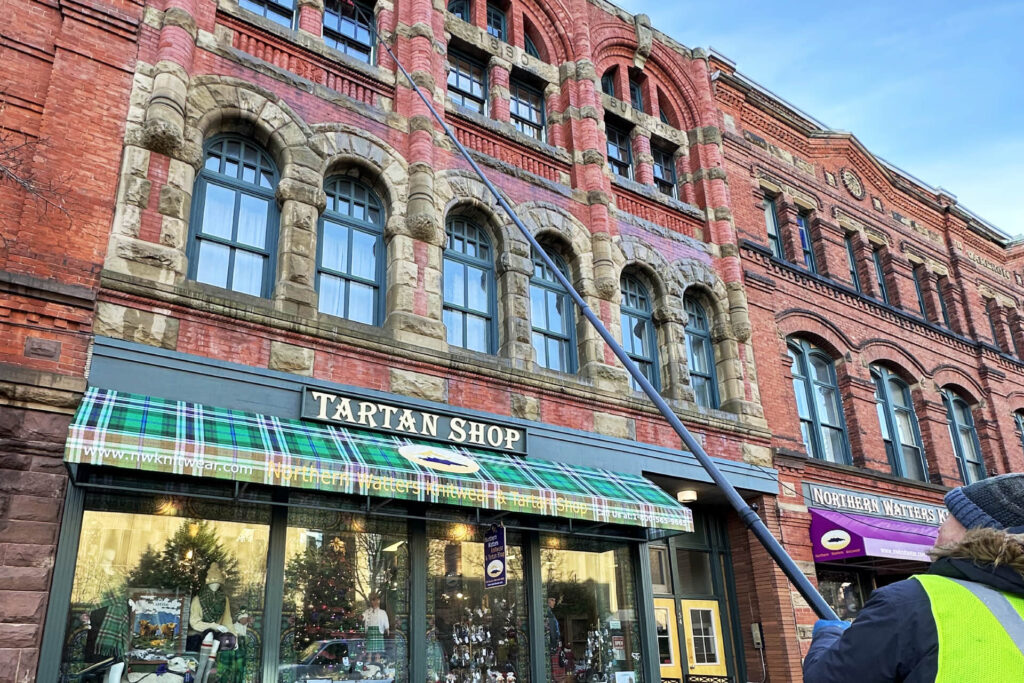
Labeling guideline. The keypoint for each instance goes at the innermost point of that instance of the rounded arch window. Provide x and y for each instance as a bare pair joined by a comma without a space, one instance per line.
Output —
350,252
638,335
700,354
1018,419
898,422
233,231
551,317
822,425
469,291
964,436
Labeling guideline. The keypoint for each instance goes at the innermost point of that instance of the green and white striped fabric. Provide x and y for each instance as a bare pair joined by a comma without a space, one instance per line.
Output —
149,434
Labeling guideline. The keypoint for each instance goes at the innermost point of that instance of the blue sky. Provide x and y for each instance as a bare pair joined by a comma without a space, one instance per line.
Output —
935,88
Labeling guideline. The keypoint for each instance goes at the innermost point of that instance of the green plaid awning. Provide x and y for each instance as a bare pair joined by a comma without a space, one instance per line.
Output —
149,434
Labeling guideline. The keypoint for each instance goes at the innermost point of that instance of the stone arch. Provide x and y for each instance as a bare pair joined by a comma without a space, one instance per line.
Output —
553,25
694,273
892,356
457,190
634,251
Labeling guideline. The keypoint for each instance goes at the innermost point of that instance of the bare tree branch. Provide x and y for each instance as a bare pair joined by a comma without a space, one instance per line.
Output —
17,152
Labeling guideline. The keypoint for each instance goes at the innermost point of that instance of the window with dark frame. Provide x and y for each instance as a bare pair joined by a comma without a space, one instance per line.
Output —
700,354
636,95
282,12
638,336
851,261
1017,339
964,437
819,405
898,422
350,252
941,288
233,231
620,153
552,317
496,24
771,221
608,82
991,311
530,47
664,171
1018,418
526,107
803,227
469,296
876,259
467,83
919,272
347,30
461,9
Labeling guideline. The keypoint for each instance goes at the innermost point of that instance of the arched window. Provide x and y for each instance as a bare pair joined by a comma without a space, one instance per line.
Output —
608,82
469,299
234,218
817,402
1018,418
551,314
638,337
898,423
964,437
460,8
530,47
350,252
347,28
700,355
496,25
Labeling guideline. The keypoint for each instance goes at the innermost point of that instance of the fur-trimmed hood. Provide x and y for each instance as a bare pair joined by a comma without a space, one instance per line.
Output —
988,556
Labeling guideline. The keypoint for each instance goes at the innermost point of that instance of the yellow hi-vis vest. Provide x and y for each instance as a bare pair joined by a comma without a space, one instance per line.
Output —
981,631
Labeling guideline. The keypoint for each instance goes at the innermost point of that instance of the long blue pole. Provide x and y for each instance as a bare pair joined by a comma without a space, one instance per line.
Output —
747,514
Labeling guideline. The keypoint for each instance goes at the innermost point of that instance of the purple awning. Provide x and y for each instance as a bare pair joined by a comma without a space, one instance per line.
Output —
841,535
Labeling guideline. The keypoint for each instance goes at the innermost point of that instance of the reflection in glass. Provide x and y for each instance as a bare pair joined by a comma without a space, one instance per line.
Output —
591,616
694,572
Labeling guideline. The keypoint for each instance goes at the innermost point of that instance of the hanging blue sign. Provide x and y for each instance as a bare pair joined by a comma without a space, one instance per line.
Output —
494,557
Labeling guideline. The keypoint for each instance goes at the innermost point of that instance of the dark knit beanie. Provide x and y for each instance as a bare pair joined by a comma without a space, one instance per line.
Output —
996,503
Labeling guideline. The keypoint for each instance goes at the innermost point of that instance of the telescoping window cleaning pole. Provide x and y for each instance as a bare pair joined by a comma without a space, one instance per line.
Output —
746,513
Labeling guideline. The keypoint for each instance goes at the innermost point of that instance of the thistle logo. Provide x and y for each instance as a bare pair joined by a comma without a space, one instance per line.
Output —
835,539
440,459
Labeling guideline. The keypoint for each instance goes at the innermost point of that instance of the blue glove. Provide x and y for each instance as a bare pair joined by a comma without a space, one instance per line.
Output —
822,624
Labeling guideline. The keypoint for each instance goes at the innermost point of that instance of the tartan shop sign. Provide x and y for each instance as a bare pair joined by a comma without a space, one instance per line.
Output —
364,413
144,433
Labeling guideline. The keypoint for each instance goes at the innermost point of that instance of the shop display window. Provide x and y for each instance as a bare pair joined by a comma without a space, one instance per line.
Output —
346,598
172,584
590,611
843,590
475,634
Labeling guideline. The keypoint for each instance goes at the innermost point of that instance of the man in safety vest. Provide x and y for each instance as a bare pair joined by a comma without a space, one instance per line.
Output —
962,621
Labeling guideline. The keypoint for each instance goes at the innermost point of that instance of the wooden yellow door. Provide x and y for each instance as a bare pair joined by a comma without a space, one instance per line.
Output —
668,639
702,624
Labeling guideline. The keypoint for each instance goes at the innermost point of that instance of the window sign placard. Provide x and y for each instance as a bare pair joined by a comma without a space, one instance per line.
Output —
495,574
366,413
845,500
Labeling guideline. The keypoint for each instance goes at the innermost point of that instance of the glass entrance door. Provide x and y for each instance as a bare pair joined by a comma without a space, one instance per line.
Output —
705,652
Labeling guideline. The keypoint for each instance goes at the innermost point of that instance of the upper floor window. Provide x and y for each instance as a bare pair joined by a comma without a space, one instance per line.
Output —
636,95
526,107
992,310
348,30
467,82
469,299
620,154
876,259
638,337
234,218
496,21
460,8
771,221
898,423
552,318
1018,418
919,274
818,404
608,82
851,262
700,355
530,47
942,289
803,227
350,252
964,437
664,171
278,11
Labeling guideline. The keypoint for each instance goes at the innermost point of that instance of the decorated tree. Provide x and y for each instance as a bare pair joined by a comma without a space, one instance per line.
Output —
322,581
183,561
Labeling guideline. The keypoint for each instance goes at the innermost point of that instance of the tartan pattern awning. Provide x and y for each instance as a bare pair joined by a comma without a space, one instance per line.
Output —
149,434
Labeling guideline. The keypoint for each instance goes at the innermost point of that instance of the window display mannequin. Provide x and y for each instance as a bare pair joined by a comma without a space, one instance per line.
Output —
375,625
211,612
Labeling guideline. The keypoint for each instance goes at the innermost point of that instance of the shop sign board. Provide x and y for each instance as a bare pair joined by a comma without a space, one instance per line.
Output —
495,573
887,507
366,413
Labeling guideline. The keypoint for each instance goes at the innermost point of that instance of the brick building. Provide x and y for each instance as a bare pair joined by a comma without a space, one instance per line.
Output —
276,278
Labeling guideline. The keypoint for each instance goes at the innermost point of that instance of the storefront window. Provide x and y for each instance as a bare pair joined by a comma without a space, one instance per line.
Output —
843,592
475,634
591,615
158,580
346,598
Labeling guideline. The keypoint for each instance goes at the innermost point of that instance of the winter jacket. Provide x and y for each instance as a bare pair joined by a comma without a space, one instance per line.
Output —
894,637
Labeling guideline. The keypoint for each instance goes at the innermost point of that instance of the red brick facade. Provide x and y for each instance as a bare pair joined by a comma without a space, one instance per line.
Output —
124,95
